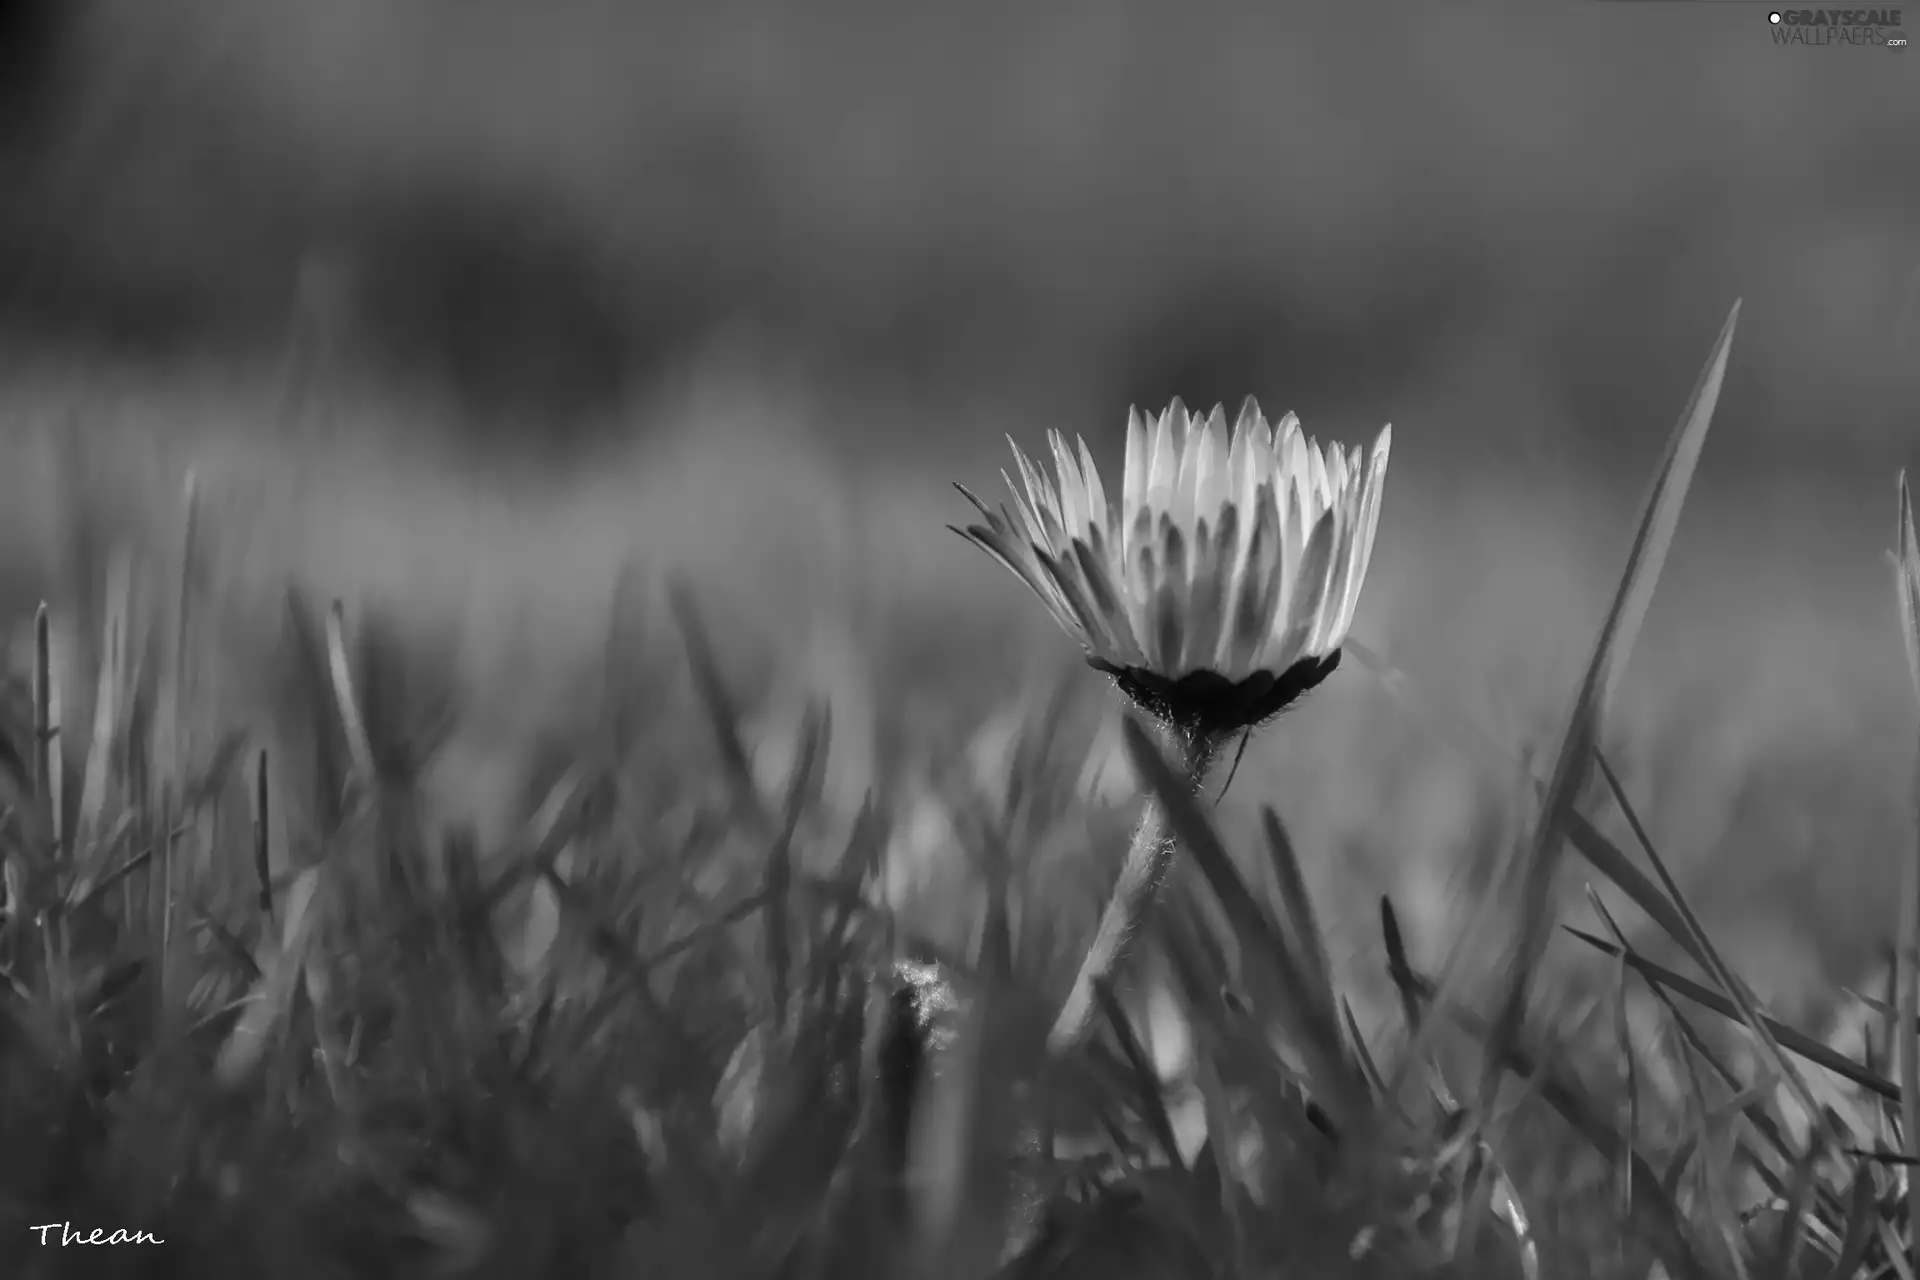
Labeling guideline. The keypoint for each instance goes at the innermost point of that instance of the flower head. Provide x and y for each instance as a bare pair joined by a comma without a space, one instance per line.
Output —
1221,584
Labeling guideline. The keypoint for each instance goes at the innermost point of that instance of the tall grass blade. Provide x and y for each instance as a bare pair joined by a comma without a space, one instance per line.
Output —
1398,970
262,833
1907,582
162,904
1907,955
722,715
310,686
183,633
46,795
110,708
1301,922
80,578
41,777
1368,1067
166,876
816,729
1623,1037
345,698
1660,516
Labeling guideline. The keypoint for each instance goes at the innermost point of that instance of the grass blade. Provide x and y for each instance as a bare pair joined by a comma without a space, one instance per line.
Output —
1907,583
1153,1107
814,733
1302,924
1907,954
1368,1067
1789,1039
42,776
262,839
722,714
183,628
359,746
1660,516
1861,1212
1623,1039
110,698
1398,969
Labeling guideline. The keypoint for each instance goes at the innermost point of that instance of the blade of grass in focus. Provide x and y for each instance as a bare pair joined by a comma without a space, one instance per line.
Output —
1907,962
1660,516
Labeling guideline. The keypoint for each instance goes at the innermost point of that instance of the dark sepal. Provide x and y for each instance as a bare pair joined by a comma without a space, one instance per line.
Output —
1207,704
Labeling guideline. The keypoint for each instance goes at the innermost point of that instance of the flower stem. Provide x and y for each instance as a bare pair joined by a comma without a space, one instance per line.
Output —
1149,857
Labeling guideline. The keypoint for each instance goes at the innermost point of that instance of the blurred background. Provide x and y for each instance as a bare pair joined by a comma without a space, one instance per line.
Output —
744,284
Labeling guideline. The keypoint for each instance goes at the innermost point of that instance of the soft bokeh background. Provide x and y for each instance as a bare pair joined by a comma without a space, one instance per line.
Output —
459,305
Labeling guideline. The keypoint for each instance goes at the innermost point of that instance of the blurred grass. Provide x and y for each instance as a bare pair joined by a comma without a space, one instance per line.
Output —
524,970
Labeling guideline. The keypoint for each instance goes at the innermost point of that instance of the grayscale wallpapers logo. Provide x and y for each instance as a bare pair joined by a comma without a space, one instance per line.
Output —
1869,27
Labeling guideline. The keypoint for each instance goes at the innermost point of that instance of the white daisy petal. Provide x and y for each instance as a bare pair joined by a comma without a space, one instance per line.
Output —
1206,605
1183,507
1317,479
1266,452
1044,499
1336,471
1142,576
1293,623
1073,487
1097,515
1064,574
1032,528
1211,477
1163,474
1239,450
1167,636
1133,480
1106,595
1294,523
1330,588
1248,418
1256,589
1338,615
1367,522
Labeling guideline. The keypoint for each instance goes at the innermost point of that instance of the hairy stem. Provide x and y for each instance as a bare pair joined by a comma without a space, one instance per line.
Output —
1149,857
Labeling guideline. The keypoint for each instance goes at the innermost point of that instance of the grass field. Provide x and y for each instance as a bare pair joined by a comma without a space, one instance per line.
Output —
529,914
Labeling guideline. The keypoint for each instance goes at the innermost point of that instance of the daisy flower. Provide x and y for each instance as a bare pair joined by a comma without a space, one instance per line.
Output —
1219,586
